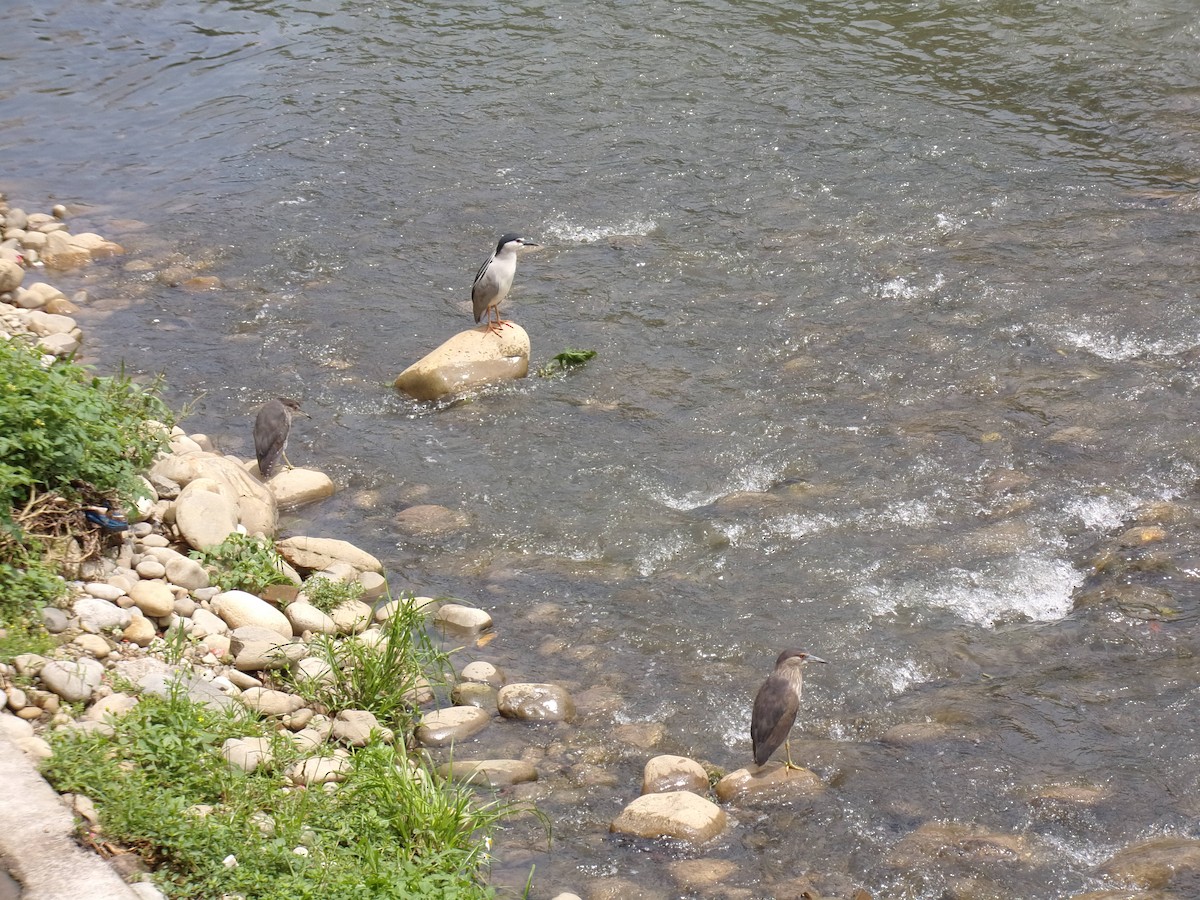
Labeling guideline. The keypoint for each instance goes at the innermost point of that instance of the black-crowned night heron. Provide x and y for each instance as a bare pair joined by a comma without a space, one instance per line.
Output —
776,704
495,278
271,429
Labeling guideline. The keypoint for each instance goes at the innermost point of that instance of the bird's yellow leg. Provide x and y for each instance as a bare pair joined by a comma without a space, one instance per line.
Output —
789,765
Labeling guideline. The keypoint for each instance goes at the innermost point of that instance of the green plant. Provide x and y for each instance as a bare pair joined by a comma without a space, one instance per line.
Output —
243,563
326,594
568,359
392,830
380,676
67,438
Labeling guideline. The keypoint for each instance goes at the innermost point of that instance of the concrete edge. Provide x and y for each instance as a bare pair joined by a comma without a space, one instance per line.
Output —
37,839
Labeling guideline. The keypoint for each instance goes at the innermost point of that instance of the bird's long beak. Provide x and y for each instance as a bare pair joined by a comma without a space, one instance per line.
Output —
531,243
811,658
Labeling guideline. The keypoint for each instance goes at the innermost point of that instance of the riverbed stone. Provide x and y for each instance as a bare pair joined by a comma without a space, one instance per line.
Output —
430,520
140,630
153,598
269,702
296,487
113,706
11,276
61,345
773,781
73,680
1154,864
455,723
105,591
238,608
467,361
321,769
673,773
306,617
351,617
474,693
533,702
247,754
206,622
204,514
374,585
186,573
94,645
422,605
494,773
457,617
958,840
484,672
356,727
680,815
96,615
256,649
316,554
150,569
254,502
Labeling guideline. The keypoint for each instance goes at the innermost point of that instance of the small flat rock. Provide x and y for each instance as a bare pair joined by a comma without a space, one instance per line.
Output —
257,649
356,726
535,702
680,815
423,605
321,769
73,680
97,615
774,780
461,618
489,772
153,598
140,631
114,705
94,645
455,723
205,623
269,702
473,693
104,591
673,773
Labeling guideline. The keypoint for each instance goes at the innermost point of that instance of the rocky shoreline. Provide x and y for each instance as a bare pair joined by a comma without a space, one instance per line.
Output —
145,613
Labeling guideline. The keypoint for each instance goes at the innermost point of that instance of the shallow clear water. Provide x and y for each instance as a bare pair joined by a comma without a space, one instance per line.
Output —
893,312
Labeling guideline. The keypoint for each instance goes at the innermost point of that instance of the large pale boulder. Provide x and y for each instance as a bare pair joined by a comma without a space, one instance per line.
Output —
681,815
256,510
238,608
11,276
456,723
205,513
295,487
317,554
470,359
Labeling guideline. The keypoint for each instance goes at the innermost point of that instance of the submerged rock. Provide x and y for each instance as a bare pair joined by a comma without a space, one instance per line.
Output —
536,702
772,780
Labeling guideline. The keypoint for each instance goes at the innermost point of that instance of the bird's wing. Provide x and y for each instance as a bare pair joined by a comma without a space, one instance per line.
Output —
775,708
483,291
270,435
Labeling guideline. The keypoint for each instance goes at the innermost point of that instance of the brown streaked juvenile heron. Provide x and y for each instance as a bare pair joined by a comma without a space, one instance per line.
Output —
271,429
494,280
776,705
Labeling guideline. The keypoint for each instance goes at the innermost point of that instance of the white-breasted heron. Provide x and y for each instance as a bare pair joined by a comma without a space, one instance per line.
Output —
494,280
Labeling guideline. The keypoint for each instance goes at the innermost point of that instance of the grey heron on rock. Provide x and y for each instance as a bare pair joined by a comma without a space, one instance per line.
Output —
494,280
271,429
776,705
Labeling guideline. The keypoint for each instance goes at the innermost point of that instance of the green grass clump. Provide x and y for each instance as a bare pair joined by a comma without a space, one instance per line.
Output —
380,677
327,595
66,437
393,829
243,563
568,359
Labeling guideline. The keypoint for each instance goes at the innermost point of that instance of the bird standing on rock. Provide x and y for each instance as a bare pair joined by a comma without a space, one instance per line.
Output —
271,429
494,280
776,704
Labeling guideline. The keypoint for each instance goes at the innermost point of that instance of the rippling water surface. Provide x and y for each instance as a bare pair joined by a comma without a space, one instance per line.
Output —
893,306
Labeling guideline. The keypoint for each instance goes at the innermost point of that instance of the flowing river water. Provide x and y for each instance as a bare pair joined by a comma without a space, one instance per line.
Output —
894,312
